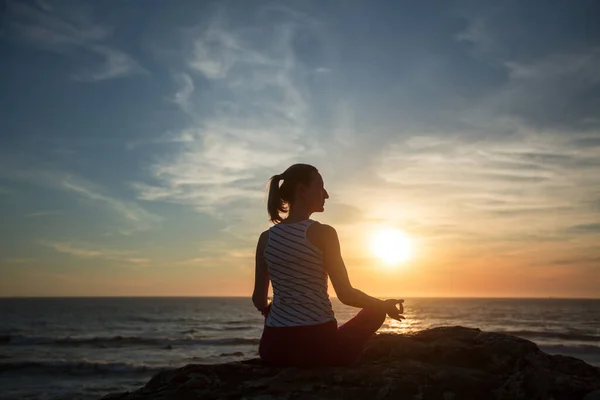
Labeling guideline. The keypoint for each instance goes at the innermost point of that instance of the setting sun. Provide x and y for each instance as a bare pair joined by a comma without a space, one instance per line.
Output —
391,245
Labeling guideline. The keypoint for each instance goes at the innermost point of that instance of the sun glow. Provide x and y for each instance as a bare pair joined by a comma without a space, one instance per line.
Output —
391,245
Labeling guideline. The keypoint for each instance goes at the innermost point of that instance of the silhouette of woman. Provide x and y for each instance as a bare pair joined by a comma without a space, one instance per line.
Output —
297,255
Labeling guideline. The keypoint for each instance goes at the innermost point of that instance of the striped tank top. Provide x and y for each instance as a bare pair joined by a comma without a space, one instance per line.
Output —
298,277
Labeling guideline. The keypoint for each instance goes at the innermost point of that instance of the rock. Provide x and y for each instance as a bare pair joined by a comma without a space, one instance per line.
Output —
447,363
234,354
595,395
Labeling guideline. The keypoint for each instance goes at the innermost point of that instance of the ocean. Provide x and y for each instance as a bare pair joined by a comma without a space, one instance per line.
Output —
84,348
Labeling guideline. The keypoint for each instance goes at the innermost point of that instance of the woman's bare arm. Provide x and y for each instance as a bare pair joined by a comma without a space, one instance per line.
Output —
261,274
325,238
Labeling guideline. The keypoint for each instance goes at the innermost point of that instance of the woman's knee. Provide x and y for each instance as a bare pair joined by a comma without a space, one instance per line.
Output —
375,316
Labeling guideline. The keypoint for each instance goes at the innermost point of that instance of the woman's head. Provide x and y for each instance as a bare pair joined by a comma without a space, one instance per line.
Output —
302,186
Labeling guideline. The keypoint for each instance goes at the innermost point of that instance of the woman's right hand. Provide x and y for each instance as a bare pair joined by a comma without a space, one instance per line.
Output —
265,311
392,311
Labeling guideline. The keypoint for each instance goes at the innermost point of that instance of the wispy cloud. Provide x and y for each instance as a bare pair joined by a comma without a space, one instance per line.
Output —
236,258
116,64
70,29
132,217
586,228
552,92
476,34
522,179
4,190
19,260
182,96
545,86
219,50
139,218
88,251
44,213
251,122
525,160
77,250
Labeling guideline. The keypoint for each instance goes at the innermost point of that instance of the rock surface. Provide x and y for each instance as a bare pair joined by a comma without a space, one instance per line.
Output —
449,363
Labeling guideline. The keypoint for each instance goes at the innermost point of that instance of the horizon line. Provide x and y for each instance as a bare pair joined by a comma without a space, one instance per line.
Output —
332,297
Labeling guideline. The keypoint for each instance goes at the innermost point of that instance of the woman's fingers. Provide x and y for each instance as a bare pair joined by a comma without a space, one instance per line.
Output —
397,311
397,314
401,306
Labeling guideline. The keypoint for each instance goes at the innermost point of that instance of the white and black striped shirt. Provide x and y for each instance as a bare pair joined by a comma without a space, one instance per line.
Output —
298,277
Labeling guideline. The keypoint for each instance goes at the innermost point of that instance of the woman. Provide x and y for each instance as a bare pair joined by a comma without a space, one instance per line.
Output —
296,255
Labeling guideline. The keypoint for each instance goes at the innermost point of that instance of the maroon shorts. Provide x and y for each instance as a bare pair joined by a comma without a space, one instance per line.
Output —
323,344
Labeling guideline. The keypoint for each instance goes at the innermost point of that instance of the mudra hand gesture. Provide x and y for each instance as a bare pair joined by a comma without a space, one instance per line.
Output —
393,311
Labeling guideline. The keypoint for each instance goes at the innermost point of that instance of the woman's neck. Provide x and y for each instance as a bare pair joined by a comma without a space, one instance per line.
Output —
297,214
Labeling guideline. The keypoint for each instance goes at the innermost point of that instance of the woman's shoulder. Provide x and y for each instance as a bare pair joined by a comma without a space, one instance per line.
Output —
262,240
320,234
323,229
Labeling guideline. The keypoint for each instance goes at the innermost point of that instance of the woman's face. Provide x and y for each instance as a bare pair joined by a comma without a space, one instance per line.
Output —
315,194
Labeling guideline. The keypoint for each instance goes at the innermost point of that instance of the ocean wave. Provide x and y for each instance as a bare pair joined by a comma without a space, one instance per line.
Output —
82,367
222,328
197,319
582,349
154,319
122,341
554,335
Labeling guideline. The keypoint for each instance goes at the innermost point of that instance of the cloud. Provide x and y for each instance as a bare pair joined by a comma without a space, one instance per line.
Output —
525,158
44,213
132,217
578,261
322,70
139,218
251,122
522,185
341,214
476,34
55,29
555,91
88,251
182,96
546,78
137,260
4,190
221,258
586,142
217,51
116,64
515,147
586,228
75,250
18,260
68,30
195,261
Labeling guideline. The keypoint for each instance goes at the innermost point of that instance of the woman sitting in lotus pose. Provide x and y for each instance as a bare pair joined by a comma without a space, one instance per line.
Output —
297,255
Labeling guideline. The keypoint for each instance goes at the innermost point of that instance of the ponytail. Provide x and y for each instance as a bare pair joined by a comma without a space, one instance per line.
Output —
275,203
281,197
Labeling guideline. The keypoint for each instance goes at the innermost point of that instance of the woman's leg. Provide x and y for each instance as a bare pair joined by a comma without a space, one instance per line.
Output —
299,345
353,335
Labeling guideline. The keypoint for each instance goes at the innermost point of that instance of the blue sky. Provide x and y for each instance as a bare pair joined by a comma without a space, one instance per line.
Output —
136,139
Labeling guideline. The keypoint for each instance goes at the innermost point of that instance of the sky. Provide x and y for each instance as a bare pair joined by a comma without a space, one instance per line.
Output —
137,139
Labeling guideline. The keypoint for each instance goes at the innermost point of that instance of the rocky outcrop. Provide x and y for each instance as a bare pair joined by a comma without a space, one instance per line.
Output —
441,363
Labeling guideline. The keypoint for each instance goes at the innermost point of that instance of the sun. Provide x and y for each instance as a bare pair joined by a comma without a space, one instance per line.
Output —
391,245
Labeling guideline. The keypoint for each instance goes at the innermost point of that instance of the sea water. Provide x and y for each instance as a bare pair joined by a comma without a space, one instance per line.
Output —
83,348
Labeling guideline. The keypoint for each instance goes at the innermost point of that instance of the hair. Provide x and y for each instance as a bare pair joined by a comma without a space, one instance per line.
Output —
281,197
